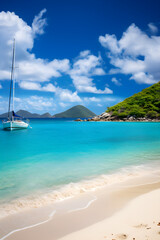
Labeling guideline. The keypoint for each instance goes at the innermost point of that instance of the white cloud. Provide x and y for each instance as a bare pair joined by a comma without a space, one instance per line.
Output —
30,67
84,53
100,101
49,88
86,64
110,42
67,96
85,84
112,99
37,86
128,66
40,102
37,103
116,82
16,99
84,69
99,105
30,85
105,91
152,28
39,23
62,94
62,104
98,72
41,70
92,99
142,77
136,54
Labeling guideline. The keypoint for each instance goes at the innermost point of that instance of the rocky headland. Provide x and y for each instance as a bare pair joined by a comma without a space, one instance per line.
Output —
141,107
107,117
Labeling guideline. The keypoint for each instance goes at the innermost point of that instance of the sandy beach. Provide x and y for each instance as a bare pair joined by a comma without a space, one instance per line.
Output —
140,219
126,210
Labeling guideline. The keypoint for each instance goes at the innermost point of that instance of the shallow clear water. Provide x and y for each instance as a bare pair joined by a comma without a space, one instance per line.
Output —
57,152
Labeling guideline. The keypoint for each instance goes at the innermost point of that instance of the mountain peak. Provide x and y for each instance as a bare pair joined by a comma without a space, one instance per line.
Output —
78,111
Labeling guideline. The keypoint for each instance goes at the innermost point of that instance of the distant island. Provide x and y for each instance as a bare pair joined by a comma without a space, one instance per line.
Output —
142,106
26,114
77,111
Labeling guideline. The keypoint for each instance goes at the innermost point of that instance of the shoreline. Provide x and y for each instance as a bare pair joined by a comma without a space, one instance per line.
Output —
77,213
117,120
108,117
75,189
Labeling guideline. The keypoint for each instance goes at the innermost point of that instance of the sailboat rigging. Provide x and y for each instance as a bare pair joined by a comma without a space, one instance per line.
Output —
14,121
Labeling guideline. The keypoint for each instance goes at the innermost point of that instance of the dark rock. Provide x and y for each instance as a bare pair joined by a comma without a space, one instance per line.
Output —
79,120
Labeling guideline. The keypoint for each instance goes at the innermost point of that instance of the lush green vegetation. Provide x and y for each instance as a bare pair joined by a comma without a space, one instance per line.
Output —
78,111
143,104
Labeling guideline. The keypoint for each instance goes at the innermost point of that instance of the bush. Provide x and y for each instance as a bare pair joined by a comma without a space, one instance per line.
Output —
115,113
122,115
152,114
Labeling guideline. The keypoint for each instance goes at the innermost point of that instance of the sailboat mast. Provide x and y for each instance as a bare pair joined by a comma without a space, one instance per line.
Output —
12,83
13,79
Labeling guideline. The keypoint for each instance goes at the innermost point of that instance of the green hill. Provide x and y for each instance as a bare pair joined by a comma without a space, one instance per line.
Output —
78,111
45,115
26,114
143,104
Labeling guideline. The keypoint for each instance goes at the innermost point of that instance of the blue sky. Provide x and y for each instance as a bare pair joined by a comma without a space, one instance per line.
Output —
68,52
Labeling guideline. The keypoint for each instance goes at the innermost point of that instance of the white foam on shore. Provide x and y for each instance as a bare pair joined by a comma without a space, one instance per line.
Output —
82,208
30,226
74,189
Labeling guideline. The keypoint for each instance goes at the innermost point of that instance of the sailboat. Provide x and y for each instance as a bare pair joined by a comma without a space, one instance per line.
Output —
14,121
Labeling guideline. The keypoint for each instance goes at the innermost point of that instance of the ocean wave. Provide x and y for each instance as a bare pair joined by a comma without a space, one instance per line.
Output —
74,189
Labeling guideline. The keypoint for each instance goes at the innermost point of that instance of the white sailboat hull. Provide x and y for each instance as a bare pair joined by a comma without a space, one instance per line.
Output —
13,125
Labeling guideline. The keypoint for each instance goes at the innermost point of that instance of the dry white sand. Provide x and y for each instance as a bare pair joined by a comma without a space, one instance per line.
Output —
139,220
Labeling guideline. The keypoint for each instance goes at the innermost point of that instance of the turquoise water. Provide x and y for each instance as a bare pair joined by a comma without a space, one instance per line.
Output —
55,152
